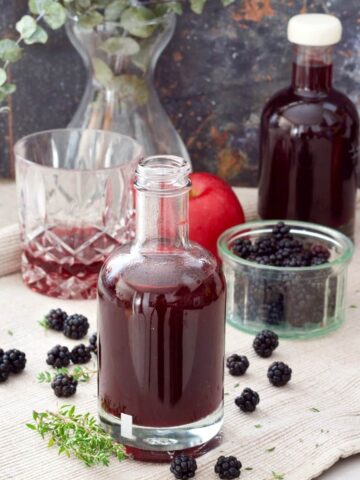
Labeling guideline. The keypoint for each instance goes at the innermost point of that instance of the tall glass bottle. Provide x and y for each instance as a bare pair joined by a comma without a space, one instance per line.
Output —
309,135
161,323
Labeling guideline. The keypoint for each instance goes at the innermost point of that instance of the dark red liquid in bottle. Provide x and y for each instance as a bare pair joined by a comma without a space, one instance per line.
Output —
161,340
309,151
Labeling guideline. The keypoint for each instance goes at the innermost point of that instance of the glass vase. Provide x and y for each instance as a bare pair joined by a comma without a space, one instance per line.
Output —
120,94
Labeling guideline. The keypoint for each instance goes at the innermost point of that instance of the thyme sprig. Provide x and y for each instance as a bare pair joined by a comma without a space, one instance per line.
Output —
80,374
78,435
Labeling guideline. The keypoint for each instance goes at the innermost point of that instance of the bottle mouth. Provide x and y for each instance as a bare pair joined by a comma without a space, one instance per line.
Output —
163,174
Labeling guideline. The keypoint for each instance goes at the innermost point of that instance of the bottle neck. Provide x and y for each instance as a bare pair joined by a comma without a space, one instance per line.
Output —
312,68
162,203
162,222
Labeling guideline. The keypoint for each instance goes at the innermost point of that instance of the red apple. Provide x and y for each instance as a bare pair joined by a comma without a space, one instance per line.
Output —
214,207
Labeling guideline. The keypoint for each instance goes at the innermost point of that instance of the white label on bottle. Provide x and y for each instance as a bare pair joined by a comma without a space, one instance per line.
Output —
126,425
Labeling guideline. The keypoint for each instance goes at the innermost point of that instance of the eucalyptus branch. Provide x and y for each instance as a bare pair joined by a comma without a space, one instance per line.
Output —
78,435
81,374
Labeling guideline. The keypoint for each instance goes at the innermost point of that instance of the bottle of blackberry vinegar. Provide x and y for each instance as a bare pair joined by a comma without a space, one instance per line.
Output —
161,323
309,135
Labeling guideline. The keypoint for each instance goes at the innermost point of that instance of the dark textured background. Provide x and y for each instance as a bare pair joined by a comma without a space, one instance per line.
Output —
213,78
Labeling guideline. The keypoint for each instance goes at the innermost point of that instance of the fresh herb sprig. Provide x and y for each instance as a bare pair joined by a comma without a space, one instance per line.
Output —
78,373
78,435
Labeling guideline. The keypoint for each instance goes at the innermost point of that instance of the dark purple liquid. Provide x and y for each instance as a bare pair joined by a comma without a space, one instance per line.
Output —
161,340
309,152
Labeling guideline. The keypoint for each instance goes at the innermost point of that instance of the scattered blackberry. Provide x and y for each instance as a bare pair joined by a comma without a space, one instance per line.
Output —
55,319
80,354
237,364
15,359
76,326
248,400
4,370
279,374
1,352
93,343
64,385
58,356
265,343
228,467
183,467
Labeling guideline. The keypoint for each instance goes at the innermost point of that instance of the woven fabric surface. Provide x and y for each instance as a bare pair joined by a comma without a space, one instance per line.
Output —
297,431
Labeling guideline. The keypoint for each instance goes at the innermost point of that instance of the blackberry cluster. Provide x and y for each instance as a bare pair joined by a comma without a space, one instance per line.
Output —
64,385
93,343
265,343
58,357
80,354
281,249
183,467
228,467
76,326
248,400
279,374
237,364
11,361
55,319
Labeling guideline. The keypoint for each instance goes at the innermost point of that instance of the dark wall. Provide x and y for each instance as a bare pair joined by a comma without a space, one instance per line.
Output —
213,78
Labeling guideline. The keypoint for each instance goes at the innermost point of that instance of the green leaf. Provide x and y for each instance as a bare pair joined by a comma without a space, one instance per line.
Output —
138,21
114,9
226,3
90,20
39,36
102,72
3,76
315,410
177,8
31,426
258,425
37,7
44,323
9,50
8,89
51,442
133,88
26,26
197,6
270,449
55,15
120,46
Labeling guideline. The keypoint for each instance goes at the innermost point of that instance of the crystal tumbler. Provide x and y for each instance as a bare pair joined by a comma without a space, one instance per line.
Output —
75,205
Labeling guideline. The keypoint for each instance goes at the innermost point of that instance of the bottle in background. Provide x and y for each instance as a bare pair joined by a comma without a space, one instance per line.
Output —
309,135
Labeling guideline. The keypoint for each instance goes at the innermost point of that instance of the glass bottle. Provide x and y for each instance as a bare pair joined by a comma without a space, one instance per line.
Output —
309,135
161,323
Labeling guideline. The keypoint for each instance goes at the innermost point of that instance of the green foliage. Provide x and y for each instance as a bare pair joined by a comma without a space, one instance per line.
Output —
81,374
134,22
78,435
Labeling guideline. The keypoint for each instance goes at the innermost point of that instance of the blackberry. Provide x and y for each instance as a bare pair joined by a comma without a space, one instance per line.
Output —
76,326
93,343
280,231
183,467
55,319
228,467
4,370
15,359
265,343
1,352
58,356
237,364
248,400
64,385
80,354
242,247
279,374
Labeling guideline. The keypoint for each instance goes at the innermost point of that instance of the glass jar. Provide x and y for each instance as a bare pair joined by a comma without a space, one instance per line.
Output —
297,302
161,322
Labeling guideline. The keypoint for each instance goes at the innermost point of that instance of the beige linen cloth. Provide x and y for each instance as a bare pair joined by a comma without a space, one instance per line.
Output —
297,431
